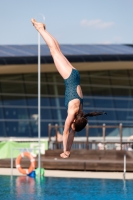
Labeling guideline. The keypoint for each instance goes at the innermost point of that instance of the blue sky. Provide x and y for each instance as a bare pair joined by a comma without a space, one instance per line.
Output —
69,21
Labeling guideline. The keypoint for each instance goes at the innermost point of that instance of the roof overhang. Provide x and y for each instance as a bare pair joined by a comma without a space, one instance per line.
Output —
24,58
81,66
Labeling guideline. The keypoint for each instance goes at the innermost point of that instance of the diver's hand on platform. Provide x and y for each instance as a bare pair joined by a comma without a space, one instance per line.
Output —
65,154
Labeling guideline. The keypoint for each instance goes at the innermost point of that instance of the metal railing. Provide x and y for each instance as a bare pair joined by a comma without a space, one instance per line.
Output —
87,143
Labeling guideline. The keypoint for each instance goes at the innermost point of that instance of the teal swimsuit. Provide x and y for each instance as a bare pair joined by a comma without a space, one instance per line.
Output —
71,84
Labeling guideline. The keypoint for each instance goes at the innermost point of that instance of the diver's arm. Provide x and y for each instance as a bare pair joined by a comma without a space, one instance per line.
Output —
68,122
70,140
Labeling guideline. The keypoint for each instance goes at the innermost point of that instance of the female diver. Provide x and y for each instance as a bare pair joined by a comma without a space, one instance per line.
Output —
76,120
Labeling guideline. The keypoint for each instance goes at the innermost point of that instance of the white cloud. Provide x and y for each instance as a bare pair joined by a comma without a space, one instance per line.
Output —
96,24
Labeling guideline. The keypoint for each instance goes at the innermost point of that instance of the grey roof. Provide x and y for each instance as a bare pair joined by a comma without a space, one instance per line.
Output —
13,54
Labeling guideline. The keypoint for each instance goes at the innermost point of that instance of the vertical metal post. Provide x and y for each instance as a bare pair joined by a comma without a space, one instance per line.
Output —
56,132
87,136
39,103
11,162
120,127
49,132
124,172
104,129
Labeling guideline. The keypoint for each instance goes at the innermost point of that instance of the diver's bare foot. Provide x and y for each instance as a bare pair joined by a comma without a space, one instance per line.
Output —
38,25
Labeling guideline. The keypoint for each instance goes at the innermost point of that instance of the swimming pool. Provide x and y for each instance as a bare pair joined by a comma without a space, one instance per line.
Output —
26,188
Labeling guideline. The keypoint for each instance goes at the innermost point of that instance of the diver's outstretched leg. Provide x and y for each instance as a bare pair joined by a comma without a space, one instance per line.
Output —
63,66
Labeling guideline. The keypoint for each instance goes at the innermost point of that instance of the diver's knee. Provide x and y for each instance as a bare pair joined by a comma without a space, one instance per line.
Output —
54,52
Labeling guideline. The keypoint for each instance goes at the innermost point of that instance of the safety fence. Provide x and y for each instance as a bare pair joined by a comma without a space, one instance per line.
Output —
102,143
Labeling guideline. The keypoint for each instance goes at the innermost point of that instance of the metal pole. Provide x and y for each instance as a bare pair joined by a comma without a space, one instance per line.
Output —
11,162
104,127
49,132
87,136
120,135
39,103
124,173
49,136
56,132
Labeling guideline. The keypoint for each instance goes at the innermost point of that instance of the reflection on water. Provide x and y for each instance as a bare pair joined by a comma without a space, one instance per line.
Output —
124,186
24,185
27,188
30,186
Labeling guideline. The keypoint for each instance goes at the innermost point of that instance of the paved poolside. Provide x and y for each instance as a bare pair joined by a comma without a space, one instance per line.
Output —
74,174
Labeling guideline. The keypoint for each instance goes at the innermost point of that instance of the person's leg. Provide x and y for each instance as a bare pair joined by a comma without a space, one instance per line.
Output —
63,66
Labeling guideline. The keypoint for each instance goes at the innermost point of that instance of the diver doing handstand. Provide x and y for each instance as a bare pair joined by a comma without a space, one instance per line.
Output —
76,120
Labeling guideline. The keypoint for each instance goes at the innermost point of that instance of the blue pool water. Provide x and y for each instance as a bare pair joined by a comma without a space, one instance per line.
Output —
26,188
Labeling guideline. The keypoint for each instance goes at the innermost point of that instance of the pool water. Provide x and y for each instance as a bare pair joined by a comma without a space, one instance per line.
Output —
26,188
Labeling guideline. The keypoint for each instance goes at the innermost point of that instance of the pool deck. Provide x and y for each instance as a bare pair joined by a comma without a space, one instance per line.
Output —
73,174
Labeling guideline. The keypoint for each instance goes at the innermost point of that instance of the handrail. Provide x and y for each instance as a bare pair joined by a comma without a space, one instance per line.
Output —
104,127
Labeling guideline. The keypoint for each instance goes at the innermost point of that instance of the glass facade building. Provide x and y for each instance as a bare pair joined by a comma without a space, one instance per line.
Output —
106,79
108,90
